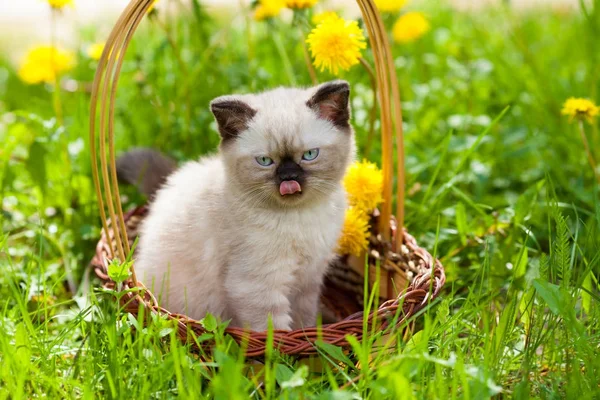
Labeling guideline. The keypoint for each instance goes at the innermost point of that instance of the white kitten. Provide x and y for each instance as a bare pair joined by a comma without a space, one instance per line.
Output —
249,232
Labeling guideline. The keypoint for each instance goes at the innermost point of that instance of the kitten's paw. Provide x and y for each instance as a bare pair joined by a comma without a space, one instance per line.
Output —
282,322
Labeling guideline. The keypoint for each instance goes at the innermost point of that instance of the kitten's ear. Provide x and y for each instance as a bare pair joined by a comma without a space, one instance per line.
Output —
331,102
232,115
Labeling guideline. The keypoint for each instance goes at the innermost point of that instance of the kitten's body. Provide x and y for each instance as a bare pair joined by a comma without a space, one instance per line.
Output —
220,238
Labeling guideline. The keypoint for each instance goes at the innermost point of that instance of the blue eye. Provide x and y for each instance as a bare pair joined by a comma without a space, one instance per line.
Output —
310,155
264,161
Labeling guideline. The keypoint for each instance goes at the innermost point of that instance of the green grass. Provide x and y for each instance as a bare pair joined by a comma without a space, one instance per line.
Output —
504,196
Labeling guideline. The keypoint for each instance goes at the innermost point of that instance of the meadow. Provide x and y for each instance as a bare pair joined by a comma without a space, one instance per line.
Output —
499,188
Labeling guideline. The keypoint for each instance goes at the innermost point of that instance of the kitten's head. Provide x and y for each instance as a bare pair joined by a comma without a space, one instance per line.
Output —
286,146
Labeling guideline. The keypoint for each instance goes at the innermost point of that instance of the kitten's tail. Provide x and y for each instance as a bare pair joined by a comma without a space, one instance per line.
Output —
145,168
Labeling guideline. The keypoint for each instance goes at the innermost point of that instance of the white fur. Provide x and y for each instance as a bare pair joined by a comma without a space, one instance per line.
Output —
209,244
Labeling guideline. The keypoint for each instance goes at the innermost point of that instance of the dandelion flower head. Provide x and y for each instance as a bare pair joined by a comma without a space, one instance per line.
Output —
59,4
95,51
390,5
336,44
300,4
355,233
580,108
322,16
268,9
364,184
45,64
151,8
410,26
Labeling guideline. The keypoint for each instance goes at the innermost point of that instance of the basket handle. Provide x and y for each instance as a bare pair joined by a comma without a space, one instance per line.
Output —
105,82
104,91
391,119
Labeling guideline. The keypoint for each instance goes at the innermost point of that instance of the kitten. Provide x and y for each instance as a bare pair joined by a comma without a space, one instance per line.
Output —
248,233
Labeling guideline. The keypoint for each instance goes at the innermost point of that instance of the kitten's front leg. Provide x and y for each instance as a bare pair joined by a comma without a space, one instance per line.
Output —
254,297
306,305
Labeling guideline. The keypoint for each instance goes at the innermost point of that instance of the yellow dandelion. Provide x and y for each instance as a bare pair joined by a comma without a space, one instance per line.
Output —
95,51
59,4
268,9
336,43
580,108
300,4
355,233
364,184
390,5
410,27
43,299
322,16
151,8
45,64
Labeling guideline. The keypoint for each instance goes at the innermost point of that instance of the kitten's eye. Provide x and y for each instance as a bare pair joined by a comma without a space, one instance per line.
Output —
264,161
310,154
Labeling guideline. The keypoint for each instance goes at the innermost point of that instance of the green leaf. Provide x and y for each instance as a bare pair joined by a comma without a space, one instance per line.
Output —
520,264
36,164
209,322
562,251
551,294
334,352
461,223
586,299
164,332
443,311
526,306
23,351
288,379
118,271
3,239
133,321
204,337
505,325
282,373
355,344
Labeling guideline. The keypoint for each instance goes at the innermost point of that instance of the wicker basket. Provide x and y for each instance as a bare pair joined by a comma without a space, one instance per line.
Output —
407,276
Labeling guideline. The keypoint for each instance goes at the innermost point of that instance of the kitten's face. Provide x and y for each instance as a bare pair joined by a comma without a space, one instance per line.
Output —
286,147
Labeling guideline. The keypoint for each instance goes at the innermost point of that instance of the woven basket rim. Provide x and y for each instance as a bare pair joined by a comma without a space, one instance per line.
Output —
424,288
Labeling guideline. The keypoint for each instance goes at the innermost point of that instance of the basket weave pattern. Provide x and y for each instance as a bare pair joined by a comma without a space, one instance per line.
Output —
424,287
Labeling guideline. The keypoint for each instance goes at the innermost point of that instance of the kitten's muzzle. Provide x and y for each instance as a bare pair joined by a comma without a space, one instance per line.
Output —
288,170
290,177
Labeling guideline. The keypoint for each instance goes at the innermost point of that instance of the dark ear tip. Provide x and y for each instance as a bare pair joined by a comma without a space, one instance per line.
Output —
231,104
323,91
339,85
232,115
218,104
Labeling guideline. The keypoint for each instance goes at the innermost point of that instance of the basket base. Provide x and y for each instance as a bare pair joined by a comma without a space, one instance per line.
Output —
410,278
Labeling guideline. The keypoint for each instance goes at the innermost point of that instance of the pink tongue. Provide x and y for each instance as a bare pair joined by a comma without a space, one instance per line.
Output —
289,187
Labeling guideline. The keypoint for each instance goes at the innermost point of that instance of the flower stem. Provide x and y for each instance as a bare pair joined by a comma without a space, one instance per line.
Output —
309,65
57,103
588,152
373,112
287,65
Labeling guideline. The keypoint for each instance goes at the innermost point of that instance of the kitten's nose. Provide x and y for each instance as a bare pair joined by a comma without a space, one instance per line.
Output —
288,170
